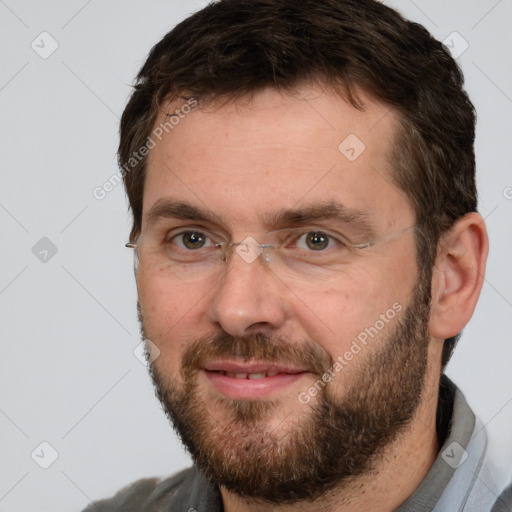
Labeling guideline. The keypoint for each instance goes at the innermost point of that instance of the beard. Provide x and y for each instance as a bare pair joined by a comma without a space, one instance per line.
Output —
320,446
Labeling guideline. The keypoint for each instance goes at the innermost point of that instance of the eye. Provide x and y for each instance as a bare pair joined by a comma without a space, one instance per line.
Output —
191,240
316,241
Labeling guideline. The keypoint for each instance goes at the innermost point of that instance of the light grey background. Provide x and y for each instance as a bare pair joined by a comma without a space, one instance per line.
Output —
68,328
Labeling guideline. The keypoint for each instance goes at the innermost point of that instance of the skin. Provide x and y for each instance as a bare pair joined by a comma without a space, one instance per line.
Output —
274,152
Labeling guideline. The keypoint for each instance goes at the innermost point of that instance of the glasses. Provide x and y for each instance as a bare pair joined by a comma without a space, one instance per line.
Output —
294,255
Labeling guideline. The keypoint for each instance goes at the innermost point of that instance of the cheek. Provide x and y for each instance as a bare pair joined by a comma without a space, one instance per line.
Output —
334,317
360,308
157,301
171,314
164,299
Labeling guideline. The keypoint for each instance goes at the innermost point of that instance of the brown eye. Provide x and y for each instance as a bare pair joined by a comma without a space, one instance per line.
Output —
317,241
191,240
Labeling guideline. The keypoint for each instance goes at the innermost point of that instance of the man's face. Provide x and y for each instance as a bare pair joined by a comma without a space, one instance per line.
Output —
247,369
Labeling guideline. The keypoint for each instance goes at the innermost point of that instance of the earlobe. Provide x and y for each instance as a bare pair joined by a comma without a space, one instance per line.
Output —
458,275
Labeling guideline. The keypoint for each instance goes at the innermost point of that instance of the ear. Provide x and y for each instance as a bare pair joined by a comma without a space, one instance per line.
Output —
458,275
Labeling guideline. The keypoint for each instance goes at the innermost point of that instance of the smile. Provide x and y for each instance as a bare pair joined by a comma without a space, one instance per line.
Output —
250,381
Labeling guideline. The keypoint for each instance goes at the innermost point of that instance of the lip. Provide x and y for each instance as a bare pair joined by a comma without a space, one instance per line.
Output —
267,378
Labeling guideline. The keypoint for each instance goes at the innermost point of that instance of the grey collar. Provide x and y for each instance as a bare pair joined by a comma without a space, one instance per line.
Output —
450,457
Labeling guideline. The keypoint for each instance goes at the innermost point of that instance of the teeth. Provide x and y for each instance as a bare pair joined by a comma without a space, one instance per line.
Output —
248,375
261,375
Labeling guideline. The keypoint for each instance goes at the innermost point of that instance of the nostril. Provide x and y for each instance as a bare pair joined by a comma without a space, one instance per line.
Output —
258,327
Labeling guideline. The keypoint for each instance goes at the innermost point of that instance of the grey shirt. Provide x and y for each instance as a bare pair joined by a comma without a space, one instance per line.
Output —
461,479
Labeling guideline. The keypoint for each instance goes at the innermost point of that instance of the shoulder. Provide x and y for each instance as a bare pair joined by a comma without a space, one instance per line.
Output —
504,502
146,495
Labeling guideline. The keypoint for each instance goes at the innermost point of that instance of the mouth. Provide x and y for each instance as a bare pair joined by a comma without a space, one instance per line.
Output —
251,380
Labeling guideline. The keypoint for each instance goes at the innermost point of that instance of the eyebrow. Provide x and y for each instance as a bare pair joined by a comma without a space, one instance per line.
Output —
326,211
285,218
170,209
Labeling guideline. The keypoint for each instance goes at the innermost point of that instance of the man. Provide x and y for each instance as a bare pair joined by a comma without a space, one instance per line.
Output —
301,177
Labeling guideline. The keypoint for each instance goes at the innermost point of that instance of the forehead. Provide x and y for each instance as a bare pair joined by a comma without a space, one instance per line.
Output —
276,151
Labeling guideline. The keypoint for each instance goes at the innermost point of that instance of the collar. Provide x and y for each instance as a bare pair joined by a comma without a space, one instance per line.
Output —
453,453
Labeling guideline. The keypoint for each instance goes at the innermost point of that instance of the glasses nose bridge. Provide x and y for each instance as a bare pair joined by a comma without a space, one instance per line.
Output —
249,250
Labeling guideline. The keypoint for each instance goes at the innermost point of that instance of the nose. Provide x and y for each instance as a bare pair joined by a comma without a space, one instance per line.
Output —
250,298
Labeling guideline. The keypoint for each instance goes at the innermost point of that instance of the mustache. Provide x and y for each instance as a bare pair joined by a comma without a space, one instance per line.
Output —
259,346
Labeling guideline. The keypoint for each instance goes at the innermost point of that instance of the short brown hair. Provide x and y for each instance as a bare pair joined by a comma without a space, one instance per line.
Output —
234,48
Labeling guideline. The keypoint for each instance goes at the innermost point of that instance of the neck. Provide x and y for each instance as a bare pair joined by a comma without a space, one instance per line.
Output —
400,469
